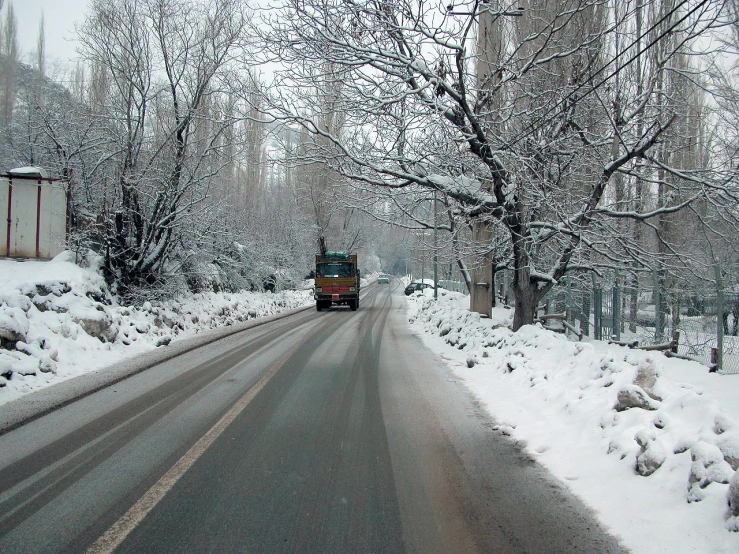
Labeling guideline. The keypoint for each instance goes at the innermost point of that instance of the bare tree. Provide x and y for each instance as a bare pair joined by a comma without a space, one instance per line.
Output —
9,66
162,61
538,134
325,197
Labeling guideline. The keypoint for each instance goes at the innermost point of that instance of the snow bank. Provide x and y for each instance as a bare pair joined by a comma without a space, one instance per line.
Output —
639,437
58,320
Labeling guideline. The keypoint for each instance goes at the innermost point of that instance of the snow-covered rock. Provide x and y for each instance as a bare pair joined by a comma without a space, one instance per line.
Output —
633,396
729,445
708,467
646,377
58,320
13,325
733,495
652,454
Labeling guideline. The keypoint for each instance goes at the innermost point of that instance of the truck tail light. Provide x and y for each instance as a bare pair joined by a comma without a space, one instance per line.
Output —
352,289
319,289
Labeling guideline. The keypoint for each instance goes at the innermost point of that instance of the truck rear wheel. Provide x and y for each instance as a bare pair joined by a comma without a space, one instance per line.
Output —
354,304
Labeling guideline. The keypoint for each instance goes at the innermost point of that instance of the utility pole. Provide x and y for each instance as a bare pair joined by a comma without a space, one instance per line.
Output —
423,255
489,53
488,39
436,252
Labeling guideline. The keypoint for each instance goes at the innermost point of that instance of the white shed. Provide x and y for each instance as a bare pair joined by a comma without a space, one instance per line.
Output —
36,214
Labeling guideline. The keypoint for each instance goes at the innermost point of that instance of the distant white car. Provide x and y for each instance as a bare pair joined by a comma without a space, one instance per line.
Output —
383,280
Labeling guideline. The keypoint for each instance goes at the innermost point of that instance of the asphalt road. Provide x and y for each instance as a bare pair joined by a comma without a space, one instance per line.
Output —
320,432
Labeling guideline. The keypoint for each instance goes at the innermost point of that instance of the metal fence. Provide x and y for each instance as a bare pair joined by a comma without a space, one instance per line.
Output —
707,323
456,286
608,308
707,328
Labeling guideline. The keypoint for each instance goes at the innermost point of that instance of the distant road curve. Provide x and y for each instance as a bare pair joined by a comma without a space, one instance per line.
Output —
317,432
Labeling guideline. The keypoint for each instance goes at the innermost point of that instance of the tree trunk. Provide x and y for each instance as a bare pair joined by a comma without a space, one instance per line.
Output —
634,303
525,298
464,270
492,284
675,311
638,204
526,293
465,274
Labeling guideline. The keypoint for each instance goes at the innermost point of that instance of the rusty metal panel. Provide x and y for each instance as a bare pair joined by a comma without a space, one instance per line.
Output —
23,218
34,217
52,220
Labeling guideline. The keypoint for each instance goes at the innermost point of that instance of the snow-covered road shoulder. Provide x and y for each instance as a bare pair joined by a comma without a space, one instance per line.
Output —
650,443
58,321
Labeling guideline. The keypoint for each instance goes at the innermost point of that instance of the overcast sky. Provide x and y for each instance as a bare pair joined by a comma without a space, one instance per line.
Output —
60,17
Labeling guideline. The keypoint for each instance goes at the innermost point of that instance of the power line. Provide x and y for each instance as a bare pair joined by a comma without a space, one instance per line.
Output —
620,67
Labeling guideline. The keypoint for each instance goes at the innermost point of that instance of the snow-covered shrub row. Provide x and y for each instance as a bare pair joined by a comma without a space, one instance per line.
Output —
578,406
254,267
58,320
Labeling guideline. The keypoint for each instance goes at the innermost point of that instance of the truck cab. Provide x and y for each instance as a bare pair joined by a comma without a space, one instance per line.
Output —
337,280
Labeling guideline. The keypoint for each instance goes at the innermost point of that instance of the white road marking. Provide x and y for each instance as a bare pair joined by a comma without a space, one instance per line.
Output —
117,533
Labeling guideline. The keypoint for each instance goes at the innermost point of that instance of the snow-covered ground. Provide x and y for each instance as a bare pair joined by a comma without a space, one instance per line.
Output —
650,443
58,320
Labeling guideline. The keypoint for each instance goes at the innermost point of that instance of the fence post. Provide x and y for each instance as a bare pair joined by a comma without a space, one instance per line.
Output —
585,312
597,313
596,310
569,303
714,360
616,307
719,318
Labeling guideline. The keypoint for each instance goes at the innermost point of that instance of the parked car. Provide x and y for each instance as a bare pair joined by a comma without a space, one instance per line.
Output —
413,287
383,280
